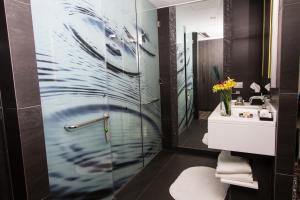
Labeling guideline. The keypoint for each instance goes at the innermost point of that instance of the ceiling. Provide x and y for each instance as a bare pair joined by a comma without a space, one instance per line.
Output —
202,17
166,3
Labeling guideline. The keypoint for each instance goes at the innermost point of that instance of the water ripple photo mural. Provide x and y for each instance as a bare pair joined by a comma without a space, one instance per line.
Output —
96,57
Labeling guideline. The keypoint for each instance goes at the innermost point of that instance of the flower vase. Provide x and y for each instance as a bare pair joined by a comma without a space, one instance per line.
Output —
225,103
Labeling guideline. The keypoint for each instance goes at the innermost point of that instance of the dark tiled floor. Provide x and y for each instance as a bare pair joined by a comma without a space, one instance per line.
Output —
154,181
192,137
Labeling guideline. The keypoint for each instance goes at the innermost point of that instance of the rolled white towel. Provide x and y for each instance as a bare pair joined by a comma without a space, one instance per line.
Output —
205,139
228,164
247,178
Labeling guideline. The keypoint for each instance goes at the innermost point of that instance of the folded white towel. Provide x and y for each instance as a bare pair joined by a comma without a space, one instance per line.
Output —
253,185
228,164
248,178
205,139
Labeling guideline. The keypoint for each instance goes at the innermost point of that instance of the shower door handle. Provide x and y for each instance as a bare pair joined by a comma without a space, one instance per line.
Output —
104,119
106,127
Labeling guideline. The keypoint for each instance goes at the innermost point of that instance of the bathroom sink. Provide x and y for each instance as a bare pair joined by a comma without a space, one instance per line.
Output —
248,135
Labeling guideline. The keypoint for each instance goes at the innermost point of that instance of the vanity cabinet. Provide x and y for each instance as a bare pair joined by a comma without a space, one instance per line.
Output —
247,135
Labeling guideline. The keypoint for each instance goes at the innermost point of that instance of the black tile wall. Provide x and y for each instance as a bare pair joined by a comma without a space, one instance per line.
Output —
6,82
290,49
5,179
21,40
195,74
286,2
15,152
242,51
240,19
21,102
210,54
33,146
283,187
287,97
227,48
286,136
168,75
243,42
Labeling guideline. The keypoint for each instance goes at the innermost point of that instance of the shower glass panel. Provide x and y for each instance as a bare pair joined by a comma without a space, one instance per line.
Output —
181,73
149,78
71,46
98,75
189,77
123,88
184,77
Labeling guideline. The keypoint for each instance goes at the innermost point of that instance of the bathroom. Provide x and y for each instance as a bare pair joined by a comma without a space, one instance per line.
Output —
114,99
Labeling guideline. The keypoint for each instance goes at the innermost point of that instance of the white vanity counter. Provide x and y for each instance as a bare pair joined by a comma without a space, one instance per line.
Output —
248,135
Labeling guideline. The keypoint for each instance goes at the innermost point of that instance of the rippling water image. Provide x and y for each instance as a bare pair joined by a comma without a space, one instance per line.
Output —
185,79
96,57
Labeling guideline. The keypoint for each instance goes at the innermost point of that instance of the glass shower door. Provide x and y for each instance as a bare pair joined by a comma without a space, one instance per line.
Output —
71,45
88,56
123,89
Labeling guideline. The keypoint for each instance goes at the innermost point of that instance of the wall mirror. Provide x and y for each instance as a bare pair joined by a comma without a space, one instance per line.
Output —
199,40
237,39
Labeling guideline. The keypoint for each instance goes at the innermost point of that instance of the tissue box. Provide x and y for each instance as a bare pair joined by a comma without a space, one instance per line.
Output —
266,118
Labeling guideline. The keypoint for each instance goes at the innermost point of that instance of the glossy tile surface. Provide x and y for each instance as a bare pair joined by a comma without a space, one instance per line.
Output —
168,74
290,49
33,150
286,133
5,189
283,187
164,170
20,31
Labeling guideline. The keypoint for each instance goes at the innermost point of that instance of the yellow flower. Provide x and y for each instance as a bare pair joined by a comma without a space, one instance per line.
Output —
226,85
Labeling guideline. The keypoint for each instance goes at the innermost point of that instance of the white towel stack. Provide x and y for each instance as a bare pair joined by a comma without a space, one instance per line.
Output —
235,170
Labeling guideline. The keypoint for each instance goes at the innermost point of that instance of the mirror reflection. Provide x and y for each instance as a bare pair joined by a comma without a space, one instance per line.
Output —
199,38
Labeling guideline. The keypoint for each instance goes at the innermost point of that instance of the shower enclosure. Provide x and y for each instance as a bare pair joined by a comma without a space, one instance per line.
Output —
98,71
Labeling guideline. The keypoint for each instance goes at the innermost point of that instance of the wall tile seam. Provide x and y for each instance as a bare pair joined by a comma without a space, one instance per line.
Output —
29,107
288,93
290,4
283,174
24,3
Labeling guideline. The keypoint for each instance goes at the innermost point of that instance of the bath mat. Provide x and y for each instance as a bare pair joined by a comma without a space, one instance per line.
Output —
198,183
